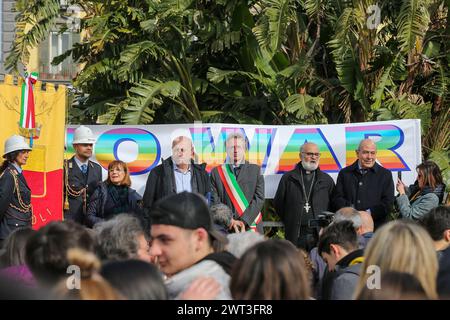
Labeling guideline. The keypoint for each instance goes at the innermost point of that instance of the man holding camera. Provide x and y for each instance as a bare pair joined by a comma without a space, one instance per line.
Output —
302,195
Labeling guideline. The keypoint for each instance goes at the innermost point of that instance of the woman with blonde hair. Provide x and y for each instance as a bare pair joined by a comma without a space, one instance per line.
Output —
401,246
91,285
114,196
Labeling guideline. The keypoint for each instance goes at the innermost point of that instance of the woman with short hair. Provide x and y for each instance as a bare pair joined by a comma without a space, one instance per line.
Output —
114,196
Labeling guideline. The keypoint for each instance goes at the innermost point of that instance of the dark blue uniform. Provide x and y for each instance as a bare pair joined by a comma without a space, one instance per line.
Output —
15,202
75,185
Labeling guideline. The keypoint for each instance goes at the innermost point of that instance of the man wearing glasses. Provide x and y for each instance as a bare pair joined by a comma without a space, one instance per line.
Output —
303,194
239,185
365,185
176,174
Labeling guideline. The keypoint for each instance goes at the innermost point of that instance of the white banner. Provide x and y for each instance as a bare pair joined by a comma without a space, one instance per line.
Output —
274,148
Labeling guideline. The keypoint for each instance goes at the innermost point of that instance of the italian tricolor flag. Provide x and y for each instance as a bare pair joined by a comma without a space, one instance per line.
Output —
27,116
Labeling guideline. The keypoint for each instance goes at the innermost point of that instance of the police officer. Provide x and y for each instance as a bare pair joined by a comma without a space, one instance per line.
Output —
81,176
15,195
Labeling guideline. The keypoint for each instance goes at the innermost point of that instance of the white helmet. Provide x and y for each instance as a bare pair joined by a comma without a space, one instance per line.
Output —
83,134
15,143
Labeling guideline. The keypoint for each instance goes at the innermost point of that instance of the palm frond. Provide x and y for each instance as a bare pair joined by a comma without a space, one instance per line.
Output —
412,23
33,24
135,56
145,98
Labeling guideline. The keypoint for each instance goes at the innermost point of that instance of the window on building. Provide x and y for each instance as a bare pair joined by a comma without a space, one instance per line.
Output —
55,45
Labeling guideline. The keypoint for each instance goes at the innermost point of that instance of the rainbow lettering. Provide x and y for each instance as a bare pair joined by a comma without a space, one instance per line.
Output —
214,154
388,139
290,156
149,149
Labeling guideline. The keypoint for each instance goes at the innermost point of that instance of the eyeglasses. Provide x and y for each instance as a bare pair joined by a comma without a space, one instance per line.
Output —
312,154
372,153
183,150
116,170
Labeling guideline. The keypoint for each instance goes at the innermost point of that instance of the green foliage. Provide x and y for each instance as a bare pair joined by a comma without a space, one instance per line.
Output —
268,62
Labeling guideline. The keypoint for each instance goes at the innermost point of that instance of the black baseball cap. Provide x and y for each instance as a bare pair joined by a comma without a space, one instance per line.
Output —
186,210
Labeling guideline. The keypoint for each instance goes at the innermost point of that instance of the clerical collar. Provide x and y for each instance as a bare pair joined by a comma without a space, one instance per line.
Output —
306,171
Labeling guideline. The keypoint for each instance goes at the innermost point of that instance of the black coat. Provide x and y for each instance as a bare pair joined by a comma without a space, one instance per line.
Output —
11,218
77,181
289,200
101,200
252,184
374,191
161,182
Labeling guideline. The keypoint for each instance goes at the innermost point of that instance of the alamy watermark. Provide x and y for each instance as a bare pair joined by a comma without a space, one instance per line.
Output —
374,19
374,280
74,280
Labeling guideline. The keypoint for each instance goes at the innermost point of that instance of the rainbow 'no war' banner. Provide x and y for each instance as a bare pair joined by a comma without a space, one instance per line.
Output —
274,148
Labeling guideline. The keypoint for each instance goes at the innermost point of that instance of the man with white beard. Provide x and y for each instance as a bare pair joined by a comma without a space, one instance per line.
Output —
303,194
176,174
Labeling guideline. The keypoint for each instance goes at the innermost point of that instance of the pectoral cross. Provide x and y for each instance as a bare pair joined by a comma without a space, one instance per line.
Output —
307,207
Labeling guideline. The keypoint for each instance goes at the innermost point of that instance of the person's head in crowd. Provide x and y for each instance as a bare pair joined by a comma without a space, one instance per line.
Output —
429,177
402,246
14,247
122,238
366,222
349,214
394,285
46,250
437,223
310,156
182,151
238,243
337,241
118,174
271,270
443,278
366,153
182,233
236,146
88,284
135,279
221,216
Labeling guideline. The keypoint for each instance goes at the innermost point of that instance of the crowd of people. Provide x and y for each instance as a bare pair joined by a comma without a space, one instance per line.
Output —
195,235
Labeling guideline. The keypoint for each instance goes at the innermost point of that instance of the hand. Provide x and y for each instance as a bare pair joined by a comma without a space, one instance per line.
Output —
400,187
237,225
202,288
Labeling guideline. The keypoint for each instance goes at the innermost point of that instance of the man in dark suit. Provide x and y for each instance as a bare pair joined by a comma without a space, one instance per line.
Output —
81,176
176,174
365,185
239,185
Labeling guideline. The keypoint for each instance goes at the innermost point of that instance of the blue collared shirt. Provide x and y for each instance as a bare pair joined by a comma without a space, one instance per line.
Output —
18,168
182,179
79,163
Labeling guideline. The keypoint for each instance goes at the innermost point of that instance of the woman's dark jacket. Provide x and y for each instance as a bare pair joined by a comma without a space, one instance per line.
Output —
12,182
105,199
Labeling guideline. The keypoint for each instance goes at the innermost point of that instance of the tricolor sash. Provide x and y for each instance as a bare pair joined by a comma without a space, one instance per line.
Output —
27,116
235,193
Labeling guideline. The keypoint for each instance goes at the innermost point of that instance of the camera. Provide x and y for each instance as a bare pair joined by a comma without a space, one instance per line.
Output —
322,221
